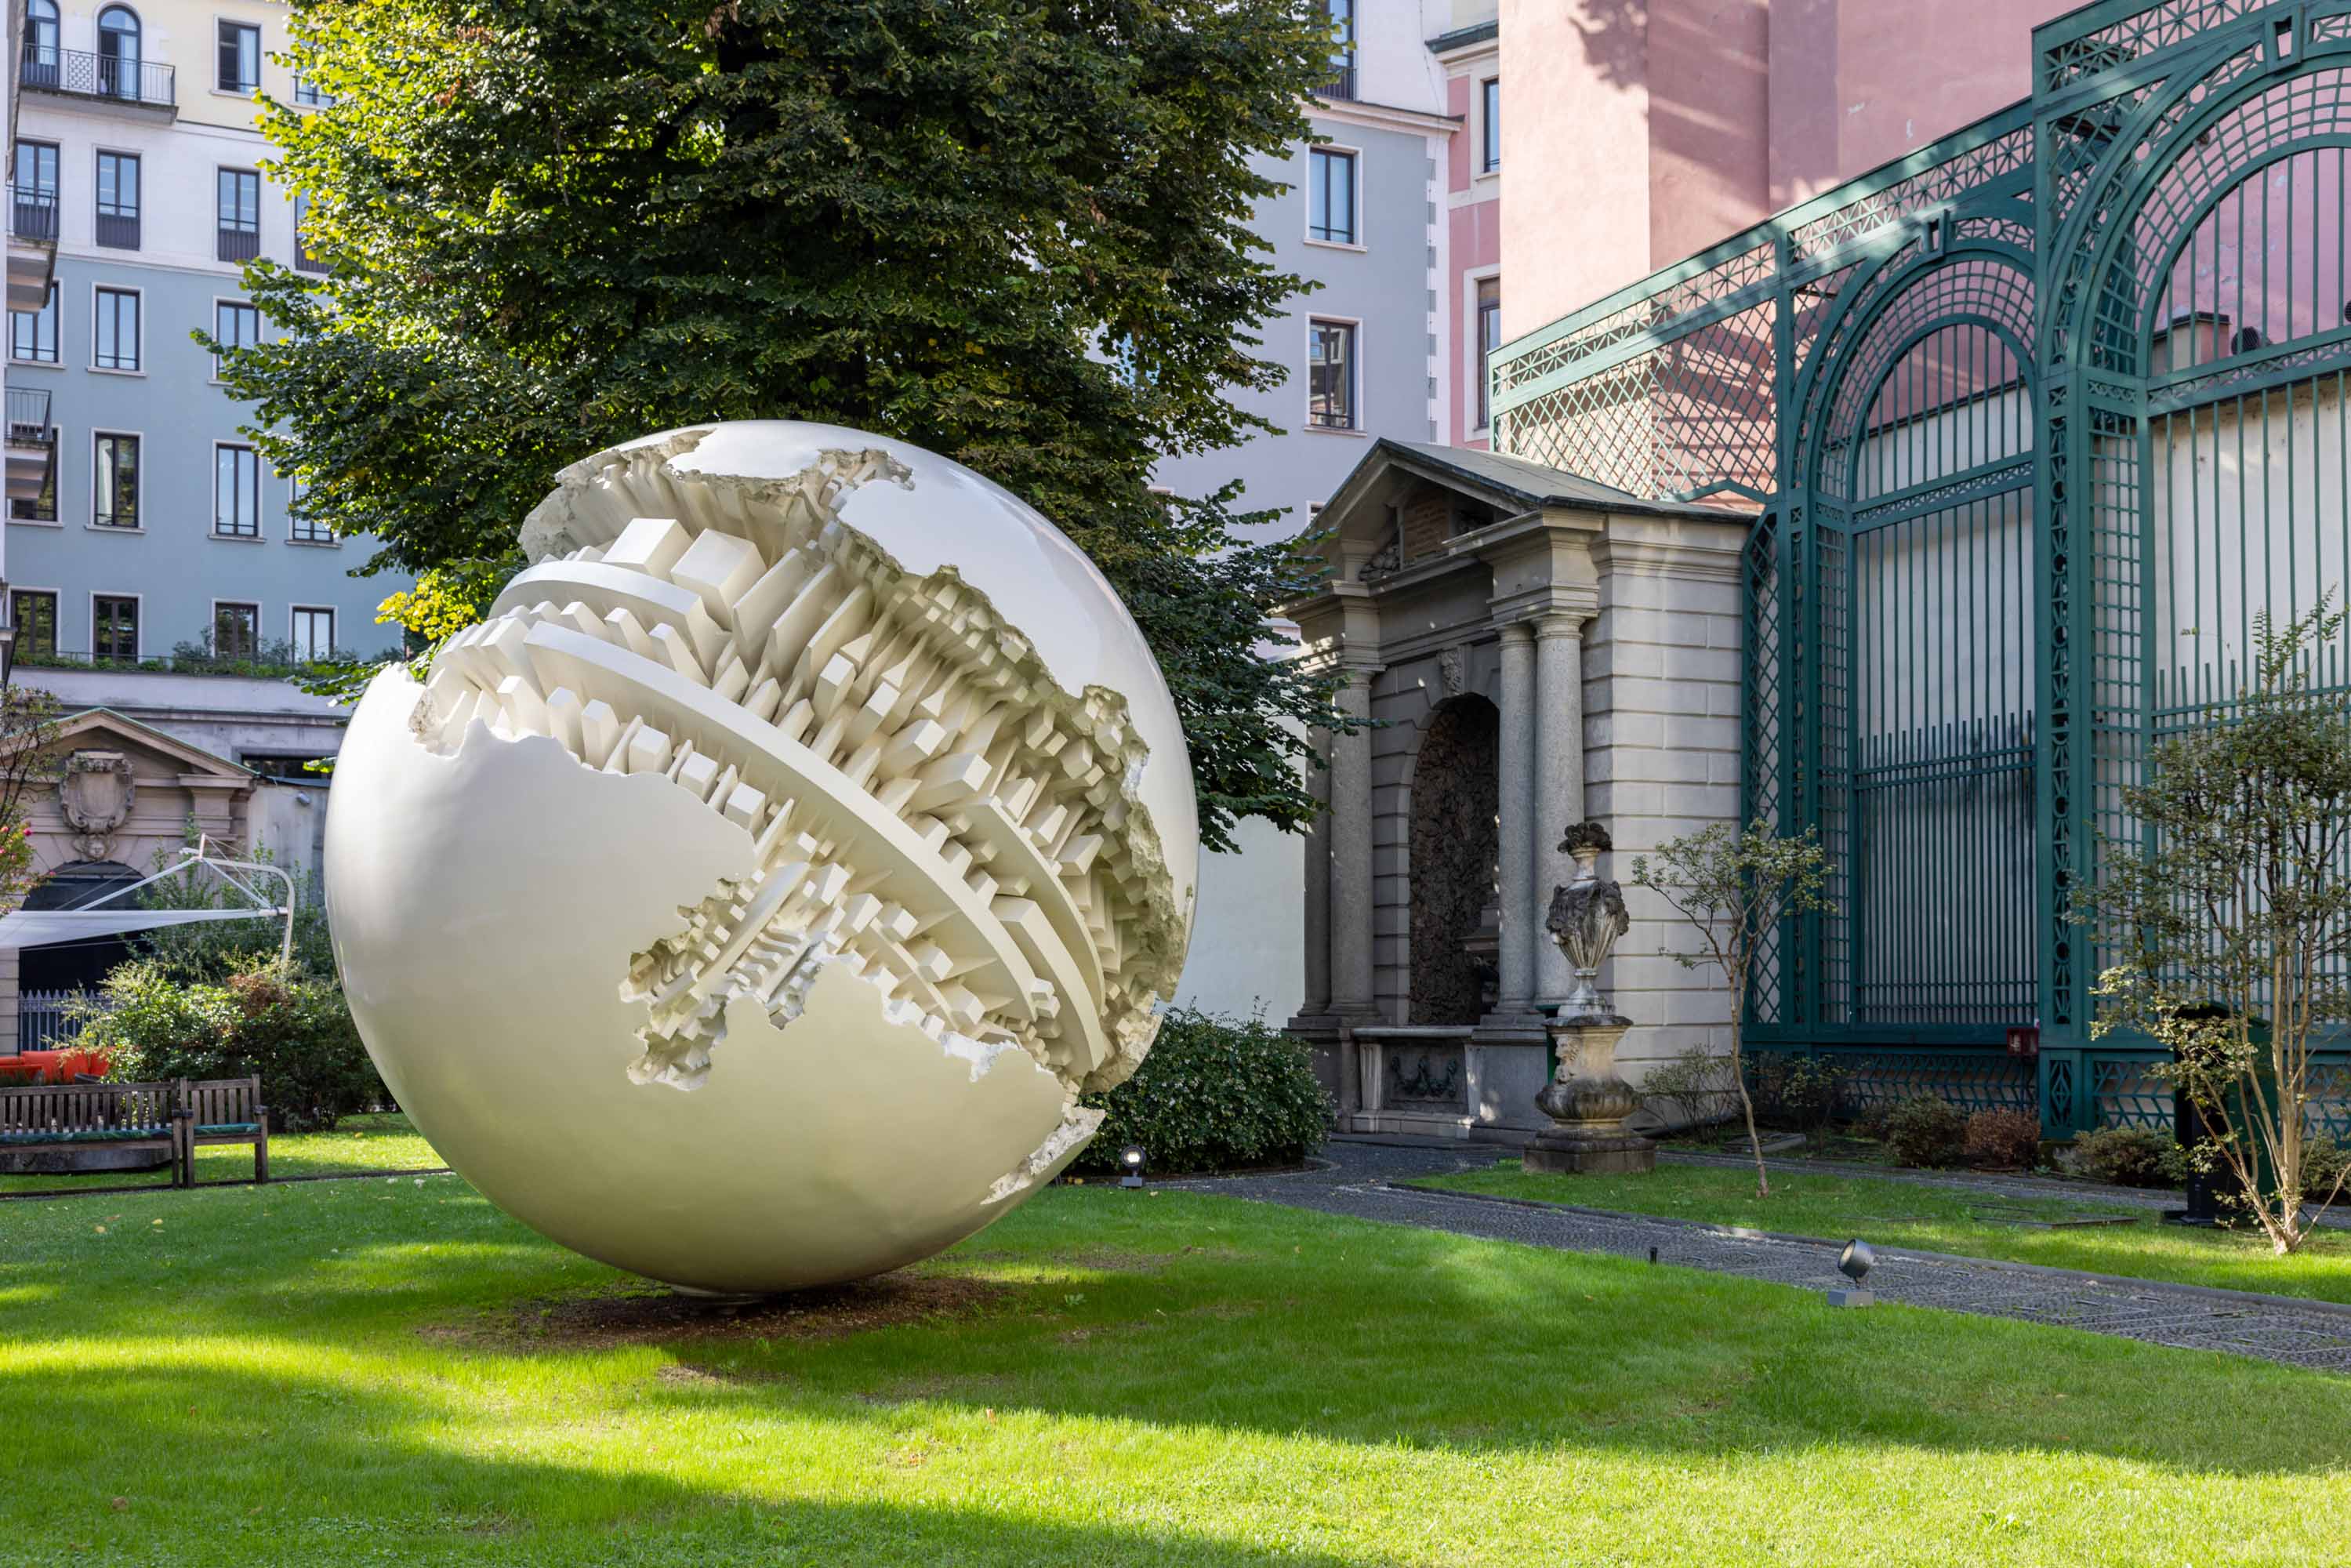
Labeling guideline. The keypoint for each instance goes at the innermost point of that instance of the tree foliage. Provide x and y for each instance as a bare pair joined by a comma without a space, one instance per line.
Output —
1012,231
2229,913
1731,886
28,730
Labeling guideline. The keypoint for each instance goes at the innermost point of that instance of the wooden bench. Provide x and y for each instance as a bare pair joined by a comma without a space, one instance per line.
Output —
223,1111
60,1127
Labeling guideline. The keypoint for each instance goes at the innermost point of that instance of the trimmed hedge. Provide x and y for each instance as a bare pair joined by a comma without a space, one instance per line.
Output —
1215,1094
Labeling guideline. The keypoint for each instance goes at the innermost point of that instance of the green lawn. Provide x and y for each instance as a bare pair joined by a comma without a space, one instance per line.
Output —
392,1372
360,1144
1945,1220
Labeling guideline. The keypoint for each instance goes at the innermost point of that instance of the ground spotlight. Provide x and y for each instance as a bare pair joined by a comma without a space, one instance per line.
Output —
1854,1263
1130,1164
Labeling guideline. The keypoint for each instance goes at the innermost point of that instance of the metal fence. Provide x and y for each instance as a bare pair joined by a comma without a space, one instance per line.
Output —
2029,427
52,1020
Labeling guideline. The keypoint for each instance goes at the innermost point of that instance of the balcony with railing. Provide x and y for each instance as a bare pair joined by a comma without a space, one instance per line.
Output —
32,246
1342,85
32,443
113,78
237,243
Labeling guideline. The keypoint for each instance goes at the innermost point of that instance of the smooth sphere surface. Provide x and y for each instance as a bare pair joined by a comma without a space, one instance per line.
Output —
746,900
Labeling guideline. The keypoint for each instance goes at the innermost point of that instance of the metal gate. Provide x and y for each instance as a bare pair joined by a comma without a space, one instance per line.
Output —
2031,424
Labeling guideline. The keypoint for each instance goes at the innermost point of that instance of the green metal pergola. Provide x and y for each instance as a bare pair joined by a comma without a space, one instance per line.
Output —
2031,425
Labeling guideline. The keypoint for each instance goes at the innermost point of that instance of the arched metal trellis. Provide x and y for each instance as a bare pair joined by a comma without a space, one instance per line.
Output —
2031,424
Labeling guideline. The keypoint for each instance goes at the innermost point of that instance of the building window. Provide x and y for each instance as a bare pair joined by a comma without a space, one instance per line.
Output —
33,204
1330,375
309,94
237,492
118,52
240,58
1489,124
41,57
1331,195
34,616
115,330
114,627
1343,51
118,200
43,507
1489,338
235,325
114,494
303,528
240,203
33,334
236,630
314,634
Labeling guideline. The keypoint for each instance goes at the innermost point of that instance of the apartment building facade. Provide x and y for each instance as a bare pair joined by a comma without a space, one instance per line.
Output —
1392,212
161,568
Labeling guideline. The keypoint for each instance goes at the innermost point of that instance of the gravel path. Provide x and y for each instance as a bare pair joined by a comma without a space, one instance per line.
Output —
1362,1180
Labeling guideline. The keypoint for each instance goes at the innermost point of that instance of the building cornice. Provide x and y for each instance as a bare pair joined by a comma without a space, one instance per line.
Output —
1383,117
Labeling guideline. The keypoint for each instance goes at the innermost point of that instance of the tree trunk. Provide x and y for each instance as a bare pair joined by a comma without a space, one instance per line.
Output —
1746,1101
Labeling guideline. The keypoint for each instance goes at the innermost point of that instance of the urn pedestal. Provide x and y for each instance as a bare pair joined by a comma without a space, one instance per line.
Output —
1587,1103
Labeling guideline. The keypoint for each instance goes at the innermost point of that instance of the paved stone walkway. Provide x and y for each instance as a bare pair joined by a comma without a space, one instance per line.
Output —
1358,1181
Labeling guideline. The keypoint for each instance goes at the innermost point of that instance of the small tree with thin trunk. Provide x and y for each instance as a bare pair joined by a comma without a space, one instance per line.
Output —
2229,916
1733,887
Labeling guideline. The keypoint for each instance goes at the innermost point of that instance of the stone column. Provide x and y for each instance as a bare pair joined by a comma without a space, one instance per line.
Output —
1558,780
1318,885
1522,910
1350,834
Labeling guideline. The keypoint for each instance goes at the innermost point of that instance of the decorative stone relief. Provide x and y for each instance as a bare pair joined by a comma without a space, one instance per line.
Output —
96,792
818,826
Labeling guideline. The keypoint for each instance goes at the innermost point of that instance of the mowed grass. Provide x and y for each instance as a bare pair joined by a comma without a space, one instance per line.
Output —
1948,1219
384,1143
373,1373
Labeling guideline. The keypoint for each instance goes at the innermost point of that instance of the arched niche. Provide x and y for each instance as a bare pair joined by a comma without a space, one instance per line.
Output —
1455,792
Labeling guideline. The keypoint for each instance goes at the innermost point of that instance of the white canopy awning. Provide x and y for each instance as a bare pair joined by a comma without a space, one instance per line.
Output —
39,927
42,927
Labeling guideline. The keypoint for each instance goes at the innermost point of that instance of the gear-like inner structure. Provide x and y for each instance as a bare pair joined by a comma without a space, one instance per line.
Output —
928,809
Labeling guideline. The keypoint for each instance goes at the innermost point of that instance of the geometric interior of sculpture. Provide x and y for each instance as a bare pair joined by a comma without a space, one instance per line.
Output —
745,901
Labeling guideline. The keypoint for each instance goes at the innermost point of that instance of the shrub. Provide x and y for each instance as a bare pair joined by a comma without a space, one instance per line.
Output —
2126,1156
2323,1159
1696,1084
295,1032
2008,1138
1215,1094
1793,1090
1926,1131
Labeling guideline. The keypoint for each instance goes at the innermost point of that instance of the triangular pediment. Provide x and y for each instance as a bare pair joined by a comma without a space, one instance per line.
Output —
151,752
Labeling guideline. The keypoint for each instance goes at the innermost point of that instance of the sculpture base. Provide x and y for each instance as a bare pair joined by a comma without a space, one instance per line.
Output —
1562,1152
1852,1298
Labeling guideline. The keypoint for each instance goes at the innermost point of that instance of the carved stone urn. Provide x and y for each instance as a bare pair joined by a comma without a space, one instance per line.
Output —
1585,1100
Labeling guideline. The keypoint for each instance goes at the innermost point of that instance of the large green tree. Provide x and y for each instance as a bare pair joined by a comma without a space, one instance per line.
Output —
1012,231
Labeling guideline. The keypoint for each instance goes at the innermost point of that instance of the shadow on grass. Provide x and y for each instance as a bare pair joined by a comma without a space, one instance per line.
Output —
301,1350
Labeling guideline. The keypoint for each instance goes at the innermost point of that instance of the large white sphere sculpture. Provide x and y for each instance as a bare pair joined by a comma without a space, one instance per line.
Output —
746,900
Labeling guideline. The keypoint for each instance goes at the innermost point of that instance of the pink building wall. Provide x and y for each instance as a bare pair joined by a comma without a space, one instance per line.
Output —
1473,249
1638,132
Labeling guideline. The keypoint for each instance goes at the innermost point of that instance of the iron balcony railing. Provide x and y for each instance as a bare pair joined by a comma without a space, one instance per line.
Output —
1342,85
239,244
29,417
33,215
117,230
80,74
